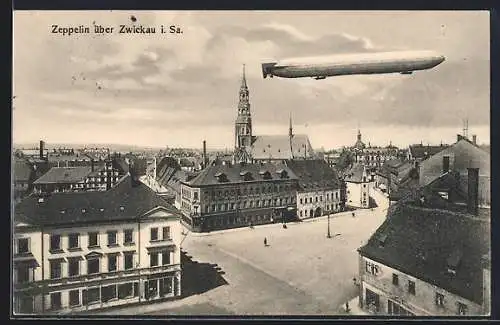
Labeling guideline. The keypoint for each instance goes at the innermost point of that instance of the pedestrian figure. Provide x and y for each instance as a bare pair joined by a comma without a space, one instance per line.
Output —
284,226
347,307
353,214
265,241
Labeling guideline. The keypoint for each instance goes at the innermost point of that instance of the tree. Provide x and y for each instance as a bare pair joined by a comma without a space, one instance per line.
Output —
345,160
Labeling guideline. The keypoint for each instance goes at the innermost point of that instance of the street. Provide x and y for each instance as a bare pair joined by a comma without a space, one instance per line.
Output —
300,272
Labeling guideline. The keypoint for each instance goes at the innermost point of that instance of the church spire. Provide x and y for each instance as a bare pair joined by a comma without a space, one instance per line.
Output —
244,79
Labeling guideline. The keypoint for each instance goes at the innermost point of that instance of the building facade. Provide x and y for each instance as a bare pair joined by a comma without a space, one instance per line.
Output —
228,196
319,188
459,157
75,252
359,186
430,256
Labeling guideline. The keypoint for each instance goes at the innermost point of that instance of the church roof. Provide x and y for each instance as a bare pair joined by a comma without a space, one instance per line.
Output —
278,147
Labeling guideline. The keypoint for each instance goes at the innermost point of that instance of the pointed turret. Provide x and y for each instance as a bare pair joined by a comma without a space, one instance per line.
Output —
243,124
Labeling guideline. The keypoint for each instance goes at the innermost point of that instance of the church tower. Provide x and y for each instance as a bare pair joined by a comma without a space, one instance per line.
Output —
243,124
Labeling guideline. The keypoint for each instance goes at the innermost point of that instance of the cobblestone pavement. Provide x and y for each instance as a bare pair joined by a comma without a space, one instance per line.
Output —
301,272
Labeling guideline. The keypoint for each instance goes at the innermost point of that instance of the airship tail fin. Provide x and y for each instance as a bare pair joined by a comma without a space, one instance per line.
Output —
266,69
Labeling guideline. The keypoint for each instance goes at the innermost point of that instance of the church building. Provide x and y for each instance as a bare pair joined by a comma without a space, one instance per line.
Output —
265,148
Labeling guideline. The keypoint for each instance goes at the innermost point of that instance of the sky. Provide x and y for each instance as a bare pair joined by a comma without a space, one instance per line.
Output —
177,90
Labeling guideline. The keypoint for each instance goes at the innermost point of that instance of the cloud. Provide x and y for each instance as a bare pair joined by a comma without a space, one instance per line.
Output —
192,81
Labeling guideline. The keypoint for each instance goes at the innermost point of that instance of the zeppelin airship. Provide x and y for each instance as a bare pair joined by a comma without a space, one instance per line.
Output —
404,62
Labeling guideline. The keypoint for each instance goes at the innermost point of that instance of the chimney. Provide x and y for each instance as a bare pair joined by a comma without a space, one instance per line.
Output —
92,165
204,164
446,164
474,139
473,190
42,148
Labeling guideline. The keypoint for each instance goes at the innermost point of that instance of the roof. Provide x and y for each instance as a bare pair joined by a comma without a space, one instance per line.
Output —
239,173
278,147
314,174
64,175
23,170
122,202
422,242
465,155
55,157
355,174
419,151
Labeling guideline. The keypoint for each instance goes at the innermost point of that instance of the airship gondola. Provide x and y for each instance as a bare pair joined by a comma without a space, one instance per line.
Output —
404,62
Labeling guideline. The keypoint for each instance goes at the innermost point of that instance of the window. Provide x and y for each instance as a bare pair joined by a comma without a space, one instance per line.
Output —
108,293
24,274
112,262
129,260
462,309
55,242
93,295
371,268
55,300
316,199
165,258
74,297
411,287
439,300
128,236
166,233
395,279
153,259
154,234
73,266
301,201
112,238
93,265
73,241
125,290
195,195
364,185
93,239
23,245
55,269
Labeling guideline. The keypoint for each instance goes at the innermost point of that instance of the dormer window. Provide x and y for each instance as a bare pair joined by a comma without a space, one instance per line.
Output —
221,177
453,261
382,239
444,195
283,173
247,176
265,174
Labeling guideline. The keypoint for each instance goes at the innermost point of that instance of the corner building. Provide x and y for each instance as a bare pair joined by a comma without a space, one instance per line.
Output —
76,252
229,196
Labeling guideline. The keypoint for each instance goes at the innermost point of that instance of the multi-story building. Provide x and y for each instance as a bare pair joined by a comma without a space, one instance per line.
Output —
390,175
70,179
359,185
459,157
431,255
373,157
75,252
319,188
419,152
228,196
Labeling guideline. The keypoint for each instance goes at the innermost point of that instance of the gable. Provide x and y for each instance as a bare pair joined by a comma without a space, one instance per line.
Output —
160,213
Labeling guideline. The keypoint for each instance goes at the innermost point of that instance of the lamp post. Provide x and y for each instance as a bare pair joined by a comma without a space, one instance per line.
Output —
328,235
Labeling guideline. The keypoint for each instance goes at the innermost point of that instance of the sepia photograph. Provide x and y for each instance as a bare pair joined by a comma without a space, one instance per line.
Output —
250,163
